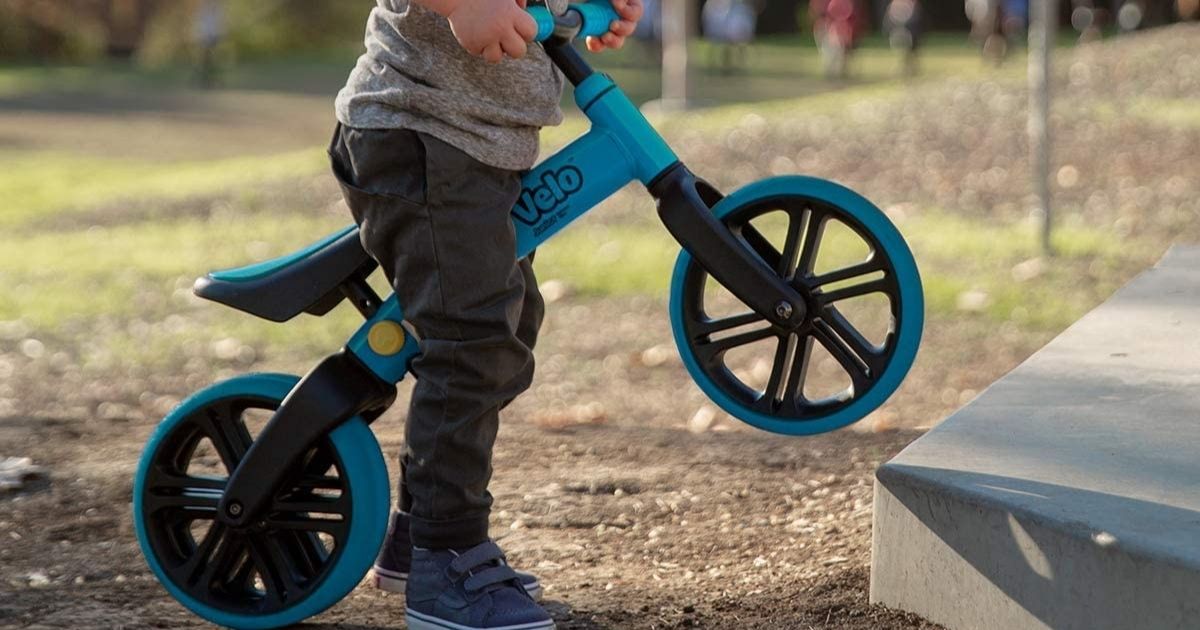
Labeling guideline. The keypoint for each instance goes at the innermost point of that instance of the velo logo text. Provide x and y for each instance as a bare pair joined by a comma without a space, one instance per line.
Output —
554,190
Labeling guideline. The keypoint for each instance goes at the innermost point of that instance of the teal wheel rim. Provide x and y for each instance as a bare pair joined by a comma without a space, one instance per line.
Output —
307,555
776,404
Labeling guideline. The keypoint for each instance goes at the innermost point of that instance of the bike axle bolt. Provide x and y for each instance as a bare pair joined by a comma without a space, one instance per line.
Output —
235,509
783,310
386,338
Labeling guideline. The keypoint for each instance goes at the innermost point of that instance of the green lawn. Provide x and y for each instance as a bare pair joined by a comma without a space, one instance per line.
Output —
110,287
40,185
132,280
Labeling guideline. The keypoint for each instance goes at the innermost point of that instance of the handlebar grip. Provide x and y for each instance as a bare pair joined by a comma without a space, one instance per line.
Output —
598,16
545,22
595,17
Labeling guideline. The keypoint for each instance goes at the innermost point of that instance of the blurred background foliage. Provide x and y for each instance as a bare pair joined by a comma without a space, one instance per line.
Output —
154,32
159,31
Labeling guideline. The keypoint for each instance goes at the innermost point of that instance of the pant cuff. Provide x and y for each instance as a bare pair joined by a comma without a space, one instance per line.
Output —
461,533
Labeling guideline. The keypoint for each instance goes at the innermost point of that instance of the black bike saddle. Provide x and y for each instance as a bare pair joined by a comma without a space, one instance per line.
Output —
306,281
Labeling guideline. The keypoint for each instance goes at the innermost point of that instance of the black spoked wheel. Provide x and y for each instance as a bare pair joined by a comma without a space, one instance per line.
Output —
290,564
262,568
864,312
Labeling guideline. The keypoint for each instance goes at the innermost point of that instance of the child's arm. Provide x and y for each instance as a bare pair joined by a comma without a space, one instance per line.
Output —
488,28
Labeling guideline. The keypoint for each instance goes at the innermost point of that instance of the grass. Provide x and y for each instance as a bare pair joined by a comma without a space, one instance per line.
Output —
1173,113
52,172
955,254
40,184
56,282
120,294
101,271
777,66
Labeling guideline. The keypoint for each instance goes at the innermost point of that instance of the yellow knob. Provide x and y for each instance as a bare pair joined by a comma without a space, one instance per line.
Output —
386,338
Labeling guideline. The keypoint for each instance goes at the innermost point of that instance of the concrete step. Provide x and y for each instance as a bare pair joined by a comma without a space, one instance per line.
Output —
1067,495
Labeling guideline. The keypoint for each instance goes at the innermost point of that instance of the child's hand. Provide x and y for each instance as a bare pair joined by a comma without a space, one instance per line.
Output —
492,28
630,12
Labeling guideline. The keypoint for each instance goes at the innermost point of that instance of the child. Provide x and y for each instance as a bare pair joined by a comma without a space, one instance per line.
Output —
437,122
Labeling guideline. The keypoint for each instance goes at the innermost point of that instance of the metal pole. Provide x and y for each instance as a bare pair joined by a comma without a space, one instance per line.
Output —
677,19
1043,25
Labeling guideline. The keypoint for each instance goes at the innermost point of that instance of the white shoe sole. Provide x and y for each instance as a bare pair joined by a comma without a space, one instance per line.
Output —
390,581
419,621
395,582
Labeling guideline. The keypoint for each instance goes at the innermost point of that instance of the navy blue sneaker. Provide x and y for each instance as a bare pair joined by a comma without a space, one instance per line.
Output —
472,589
392,565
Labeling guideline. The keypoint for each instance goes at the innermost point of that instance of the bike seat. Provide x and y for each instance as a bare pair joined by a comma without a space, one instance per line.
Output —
306,281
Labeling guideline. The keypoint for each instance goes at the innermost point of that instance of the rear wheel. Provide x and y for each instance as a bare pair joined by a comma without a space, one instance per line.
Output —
865,310
309,550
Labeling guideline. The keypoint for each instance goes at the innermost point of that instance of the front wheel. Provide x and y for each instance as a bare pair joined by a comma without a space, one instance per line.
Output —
310,549
865,310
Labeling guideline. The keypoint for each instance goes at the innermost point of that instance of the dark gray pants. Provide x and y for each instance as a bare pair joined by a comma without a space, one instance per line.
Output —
438,222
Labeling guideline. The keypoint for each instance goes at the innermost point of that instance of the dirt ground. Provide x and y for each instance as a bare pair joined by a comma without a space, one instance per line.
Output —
646,528
631,519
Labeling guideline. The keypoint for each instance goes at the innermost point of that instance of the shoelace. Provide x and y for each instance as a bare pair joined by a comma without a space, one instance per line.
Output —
485,567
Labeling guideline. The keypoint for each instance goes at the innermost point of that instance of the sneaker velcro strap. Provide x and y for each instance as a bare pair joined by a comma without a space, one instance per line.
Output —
498,574
477,556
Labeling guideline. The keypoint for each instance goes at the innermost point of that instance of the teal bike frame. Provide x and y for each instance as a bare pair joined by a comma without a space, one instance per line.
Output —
621,147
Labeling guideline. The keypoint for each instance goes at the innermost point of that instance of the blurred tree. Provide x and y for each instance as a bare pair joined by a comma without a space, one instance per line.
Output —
122,23
57,29
208,32
264,27
21,36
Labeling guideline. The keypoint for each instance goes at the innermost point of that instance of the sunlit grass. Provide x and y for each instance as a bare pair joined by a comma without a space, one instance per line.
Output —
122,293
132,281
36,185
955,255
1174,113
52,277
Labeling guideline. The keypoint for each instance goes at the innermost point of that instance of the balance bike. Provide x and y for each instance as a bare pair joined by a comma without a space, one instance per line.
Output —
279,525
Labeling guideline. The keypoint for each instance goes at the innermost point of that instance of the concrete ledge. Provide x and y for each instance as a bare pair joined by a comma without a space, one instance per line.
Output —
1068,494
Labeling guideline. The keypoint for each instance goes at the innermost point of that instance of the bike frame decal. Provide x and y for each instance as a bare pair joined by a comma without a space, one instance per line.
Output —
621,147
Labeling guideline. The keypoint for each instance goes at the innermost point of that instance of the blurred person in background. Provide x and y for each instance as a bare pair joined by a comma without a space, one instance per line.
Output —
208,32
730,26
1014,17
1088,20
996,23
1130,15
837,26
1187,9
649,31
902,23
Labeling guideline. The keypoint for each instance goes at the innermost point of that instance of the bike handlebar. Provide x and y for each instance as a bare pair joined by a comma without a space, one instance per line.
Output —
593,18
